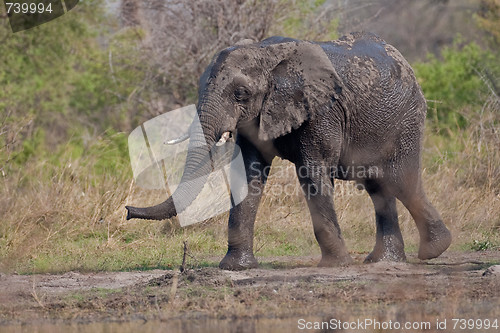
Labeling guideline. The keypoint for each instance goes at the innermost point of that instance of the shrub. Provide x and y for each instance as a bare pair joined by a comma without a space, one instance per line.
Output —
455,82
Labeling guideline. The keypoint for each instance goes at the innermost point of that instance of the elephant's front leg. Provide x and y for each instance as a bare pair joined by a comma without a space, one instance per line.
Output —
242,217
318,190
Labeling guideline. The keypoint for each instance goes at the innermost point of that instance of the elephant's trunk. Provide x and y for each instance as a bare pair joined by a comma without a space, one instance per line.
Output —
165,210
196,171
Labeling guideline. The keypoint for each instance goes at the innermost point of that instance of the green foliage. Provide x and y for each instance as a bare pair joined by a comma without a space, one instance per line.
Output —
454,82
60,89
36,75
30,147
106,155
40,64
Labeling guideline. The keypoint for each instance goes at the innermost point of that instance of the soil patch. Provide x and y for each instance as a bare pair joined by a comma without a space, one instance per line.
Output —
456,285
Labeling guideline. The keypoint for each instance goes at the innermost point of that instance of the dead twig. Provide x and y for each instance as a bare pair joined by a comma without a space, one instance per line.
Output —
35,295
260,247
183,265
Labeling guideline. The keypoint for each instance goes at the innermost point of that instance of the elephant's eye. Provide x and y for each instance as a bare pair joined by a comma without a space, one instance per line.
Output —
241,94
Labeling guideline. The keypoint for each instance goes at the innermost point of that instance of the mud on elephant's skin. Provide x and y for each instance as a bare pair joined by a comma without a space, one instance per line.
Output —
350,103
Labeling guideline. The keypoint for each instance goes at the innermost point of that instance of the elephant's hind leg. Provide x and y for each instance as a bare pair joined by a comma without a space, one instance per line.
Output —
389,243
435,238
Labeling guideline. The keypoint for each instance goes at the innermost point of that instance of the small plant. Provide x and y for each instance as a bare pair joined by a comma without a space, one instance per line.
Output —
481,245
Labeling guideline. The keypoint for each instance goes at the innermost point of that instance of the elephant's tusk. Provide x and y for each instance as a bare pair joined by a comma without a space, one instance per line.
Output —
224,137
180,139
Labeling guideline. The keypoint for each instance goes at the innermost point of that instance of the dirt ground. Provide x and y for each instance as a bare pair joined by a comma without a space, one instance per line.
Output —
284,290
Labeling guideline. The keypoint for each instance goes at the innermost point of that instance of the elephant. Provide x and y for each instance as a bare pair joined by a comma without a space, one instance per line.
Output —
327,107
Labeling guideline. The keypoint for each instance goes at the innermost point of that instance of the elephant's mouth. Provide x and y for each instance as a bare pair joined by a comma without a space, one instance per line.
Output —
223,138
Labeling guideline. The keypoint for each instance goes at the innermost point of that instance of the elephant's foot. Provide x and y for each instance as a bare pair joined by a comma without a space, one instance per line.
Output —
238,261
435,242
389,249
381,255
332,261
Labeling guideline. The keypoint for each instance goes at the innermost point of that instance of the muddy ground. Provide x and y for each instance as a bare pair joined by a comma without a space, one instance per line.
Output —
282,292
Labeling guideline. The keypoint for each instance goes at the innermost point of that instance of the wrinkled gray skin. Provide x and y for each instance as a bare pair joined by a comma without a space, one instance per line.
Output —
350,104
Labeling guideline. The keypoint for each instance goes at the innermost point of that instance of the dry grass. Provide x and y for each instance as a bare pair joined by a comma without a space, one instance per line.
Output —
77,221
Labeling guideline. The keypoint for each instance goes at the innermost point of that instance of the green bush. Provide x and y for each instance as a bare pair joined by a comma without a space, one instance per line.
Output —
61,99
454,82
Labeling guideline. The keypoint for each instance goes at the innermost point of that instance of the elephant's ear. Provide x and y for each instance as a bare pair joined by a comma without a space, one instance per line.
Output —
302,83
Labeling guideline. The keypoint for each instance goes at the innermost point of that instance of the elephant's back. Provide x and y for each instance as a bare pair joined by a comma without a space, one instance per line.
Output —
382,99
366,58
374,74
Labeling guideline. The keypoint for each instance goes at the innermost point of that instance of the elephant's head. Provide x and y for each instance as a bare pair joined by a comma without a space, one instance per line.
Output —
276,85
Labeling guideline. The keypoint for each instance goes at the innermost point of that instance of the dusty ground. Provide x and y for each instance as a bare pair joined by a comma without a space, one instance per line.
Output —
285,288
